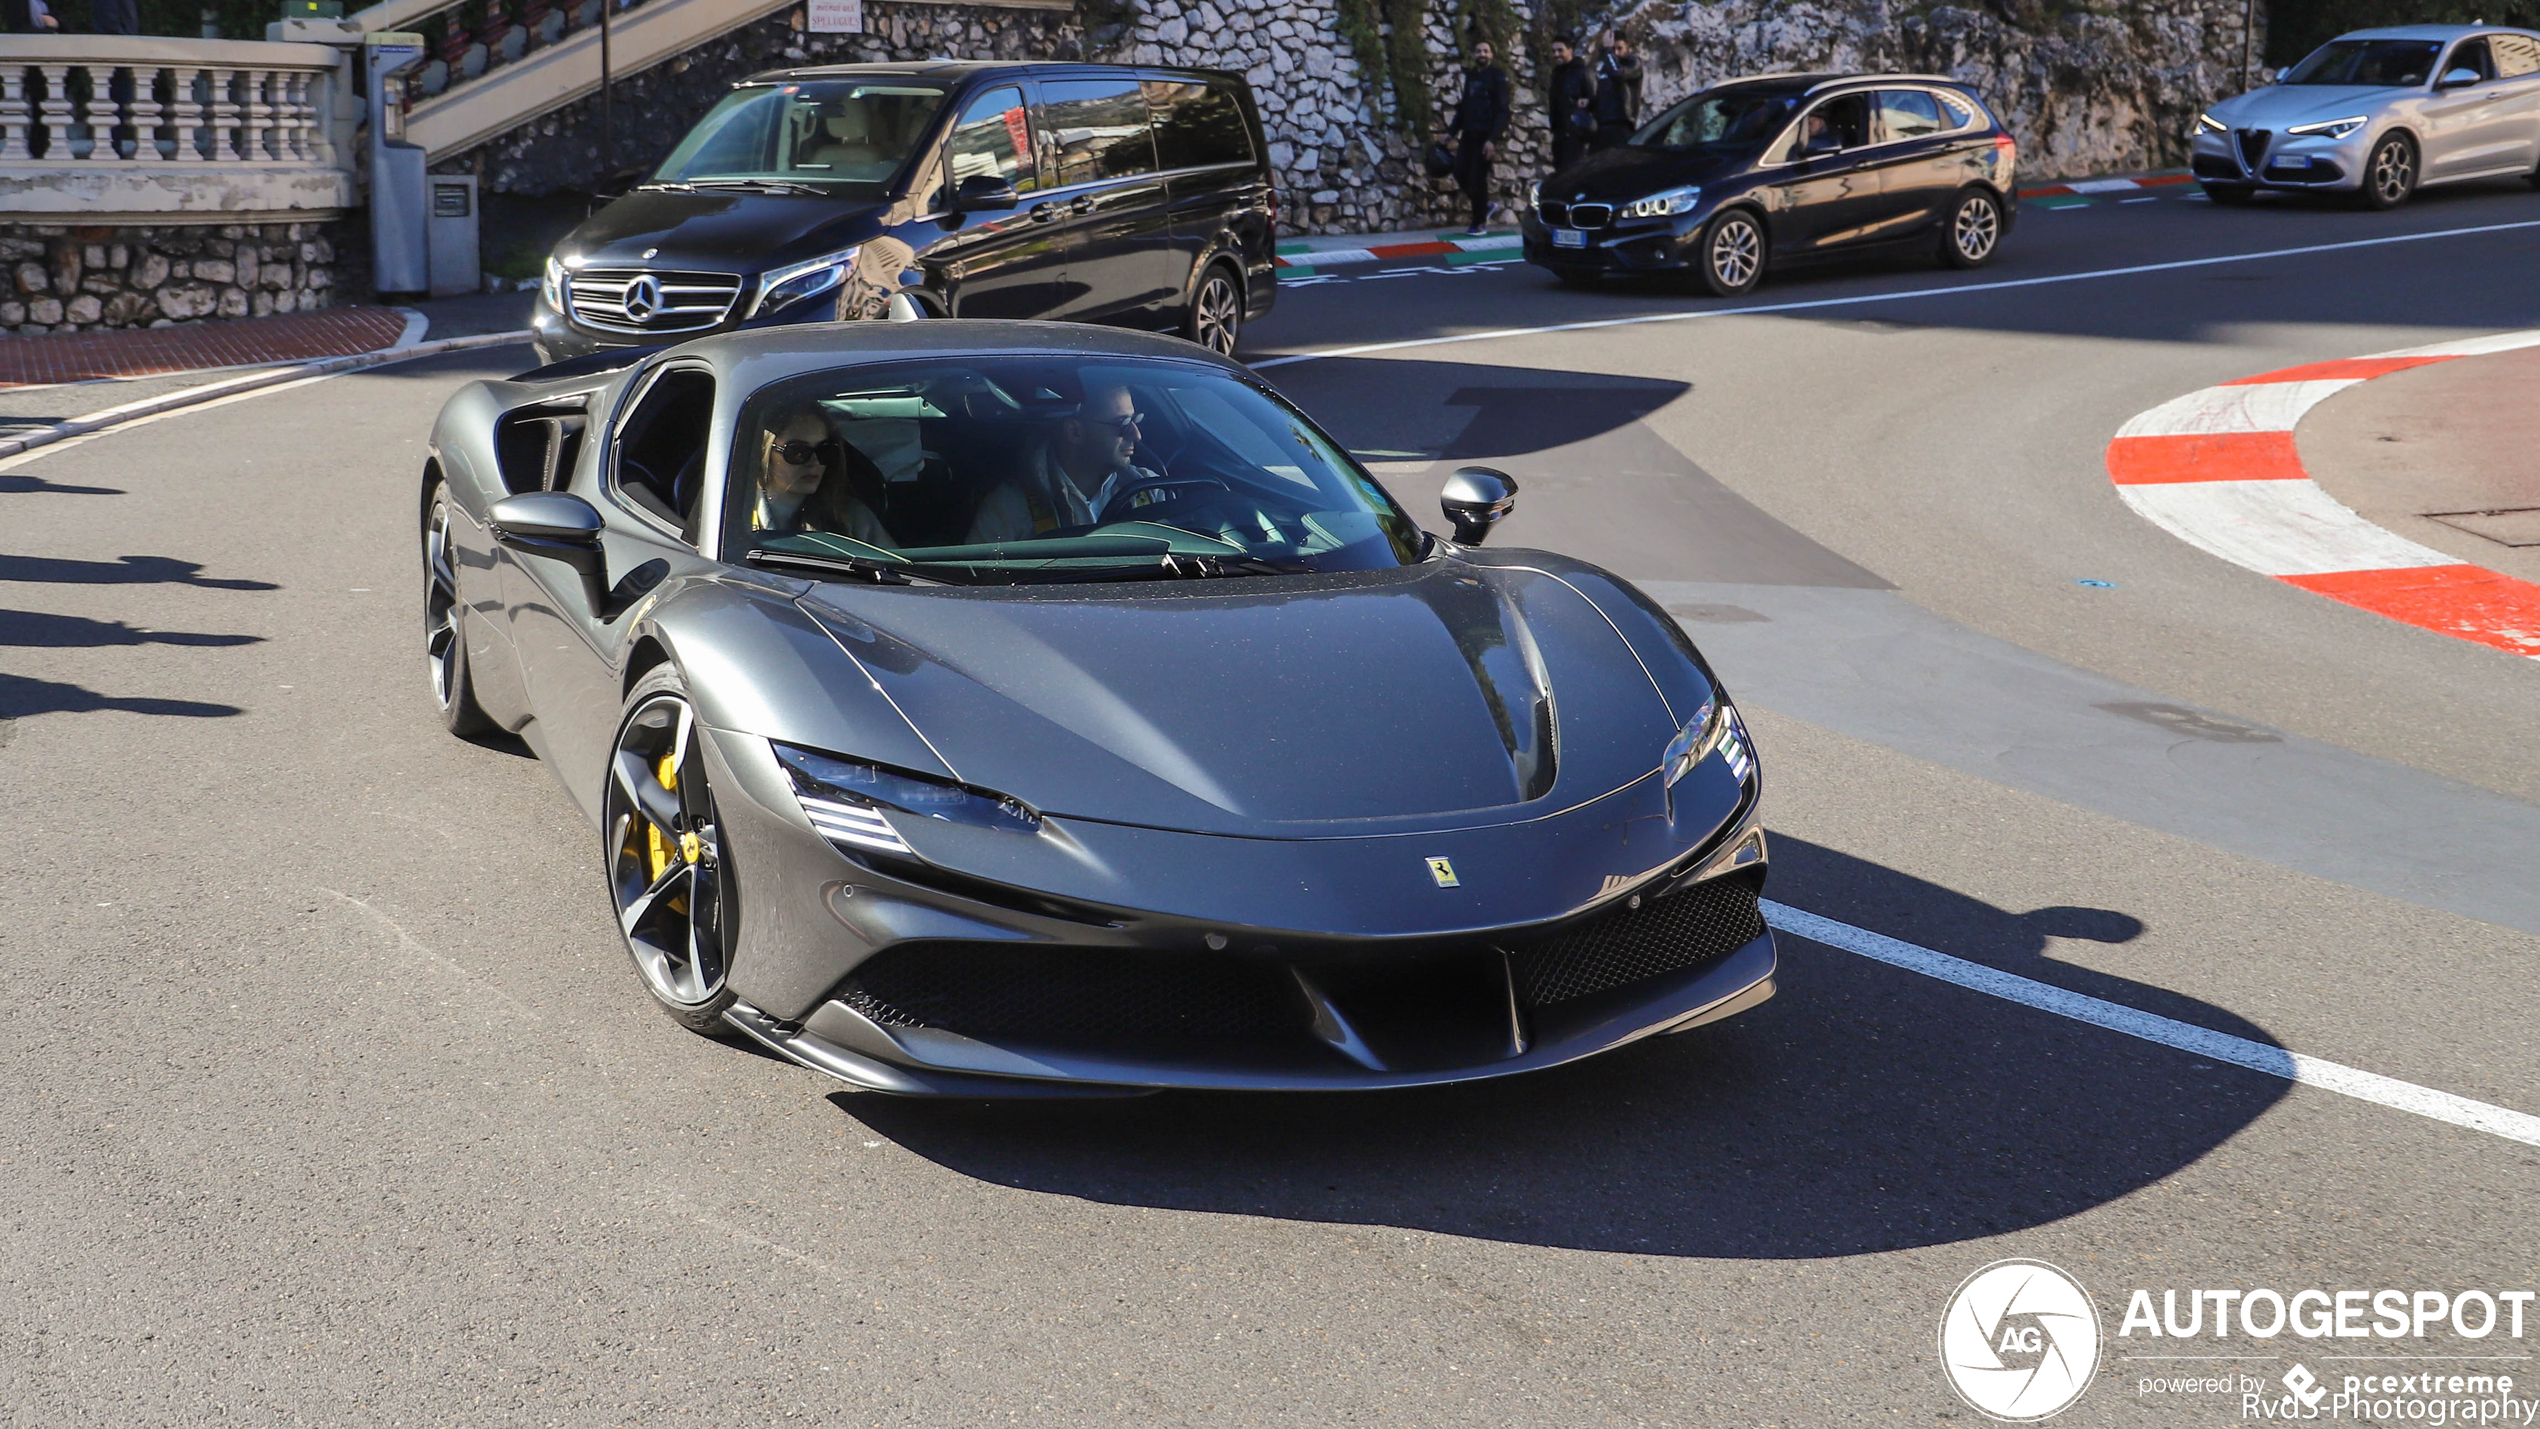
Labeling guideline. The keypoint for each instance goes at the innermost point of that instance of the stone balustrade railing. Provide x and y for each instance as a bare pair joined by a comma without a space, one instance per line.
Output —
108,128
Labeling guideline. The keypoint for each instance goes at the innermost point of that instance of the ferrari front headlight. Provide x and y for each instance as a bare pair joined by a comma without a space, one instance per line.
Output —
1714,728
850,802
1664,205
2331,128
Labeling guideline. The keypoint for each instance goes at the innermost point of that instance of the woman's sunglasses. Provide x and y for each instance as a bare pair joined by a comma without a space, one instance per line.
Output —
799,453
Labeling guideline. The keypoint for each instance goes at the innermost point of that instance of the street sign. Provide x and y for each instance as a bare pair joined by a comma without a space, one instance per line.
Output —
835,17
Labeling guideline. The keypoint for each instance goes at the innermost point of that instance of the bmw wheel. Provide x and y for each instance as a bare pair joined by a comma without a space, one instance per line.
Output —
444,635
1216,317
1732,254
2390,175
670,877
1973,232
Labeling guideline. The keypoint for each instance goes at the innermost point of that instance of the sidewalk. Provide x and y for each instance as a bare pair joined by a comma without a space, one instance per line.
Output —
145,352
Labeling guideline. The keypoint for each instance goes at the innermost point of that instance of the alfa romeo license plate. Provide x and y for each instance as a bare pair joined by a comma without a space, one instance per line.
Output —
1569,238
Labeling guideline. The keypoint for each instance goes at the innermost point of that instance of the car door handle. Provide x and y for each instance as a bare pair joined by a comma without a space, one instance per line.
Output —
1082,203
1045,212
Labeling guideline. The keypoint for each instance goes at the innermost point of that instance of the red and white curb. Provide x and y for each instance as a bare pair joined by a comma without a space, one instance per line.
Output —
1313,259
2086,187
2219,470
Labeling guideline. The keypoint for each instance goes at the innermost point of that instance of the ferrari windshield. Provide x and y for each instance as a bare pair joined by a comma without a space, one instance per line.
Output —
834,136
2383,64
1047,468
1725,119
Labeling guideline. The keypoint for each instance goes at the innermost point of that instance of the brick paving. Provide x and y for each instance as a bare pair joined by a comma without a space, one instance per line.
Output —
83,356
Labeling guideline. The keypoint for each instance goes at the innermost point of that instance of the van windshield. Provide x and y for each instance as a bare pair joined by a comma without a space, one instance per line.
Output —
848,137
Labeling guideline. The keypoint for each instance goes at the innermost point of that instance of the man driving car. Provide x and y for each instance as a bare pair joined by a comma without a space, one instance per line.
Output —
1072,476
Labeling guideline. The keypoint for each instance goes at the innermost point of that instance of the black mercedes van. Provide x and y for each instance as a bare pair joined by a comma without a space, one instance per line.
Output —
1101,193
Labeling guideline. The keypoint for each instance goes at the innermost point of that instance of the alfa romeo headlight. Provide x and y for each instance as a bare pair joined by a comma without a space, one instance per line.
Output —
852,803
2208,124
788,286
1714,728
1664,205
2331,128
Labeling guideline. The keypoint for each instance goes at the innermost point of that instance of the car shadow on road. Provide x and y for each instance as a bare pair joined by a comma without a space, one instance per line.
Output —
1864,1109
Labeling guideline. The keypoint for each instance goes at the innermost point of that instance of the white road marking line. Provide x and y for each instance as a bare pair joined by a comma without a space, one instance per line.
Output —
2115,1017
2004,285
2155,198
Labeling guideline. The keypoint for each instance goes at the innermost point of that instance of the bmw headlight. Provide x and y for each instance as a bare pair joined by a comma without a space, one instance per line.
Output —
852,803
1664,205
2331,128
2208,124
1714,728
1534,193
551,285
788,286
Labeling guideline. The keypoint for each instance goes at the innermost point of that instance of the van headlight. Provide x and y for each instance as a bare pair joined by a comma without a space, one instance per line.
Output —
788,286
2331,128
1664,205
551,285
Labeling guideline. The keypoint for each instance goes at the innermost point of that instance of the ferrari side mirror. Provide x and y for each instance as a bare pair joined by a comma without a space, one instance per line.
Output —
562,527
1477,498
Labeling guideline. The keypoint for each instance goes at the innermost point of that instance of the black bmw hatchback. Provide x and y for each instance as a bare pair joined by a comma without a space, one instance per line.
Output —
1133,196
1782,170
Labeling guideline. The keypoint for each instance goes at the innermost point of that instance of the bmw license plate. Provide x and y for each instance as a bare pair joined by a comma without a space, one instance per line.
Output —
1569,238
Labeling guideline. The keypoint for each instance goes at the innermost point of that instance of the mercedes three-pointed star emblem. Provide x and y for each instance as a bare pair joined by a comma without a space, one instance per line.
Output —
643,298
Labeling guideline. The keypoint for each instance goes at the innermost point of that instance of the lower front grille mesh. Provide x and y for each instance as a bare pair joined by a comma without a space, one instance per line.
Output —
1663,935
1076,995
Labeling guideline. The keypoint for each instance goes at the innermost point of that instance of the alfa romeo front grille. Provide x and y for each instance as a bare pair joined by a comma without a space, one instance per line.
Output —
2253,146
646,302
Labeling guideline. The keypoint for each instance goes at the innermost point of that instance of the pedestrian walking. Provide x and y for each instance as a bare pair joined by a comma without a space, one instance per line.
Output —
115,17
1481,116
1617,91
1572,98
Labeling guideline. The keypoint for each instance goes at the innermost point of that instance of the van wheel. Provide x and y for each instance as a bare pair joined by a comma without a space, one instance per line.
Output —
1215,318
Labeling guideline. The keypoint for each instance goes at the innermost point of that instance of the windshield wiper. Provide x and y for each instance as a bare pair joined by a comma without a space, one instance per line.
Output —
762,186
665,186
1166,568
878,572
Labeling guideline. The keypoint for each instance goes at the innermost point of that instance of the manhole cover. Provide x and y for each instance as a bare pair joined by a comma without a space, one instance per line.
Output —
2514,526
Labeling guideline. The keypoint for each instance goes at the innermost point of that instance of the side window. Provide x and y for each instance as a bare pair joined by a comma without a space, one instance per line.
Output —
1198,124
1909,114
1095,129
2515,55
992,137
1846,117
1956,113
661,449
2470,54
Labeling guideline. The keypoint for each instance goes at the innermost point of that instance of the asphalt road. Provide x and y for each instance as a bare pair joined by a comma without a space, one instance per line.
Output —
334,1101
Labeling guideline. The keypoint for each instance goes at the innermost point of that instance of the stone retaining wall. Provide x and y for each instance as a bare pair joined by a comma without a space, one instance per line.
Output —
69,279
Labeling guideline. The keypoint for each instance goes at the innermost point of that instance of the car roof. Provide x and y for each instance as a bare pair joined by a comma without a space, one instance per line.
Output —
1819,81
952,70
757,356
2425,32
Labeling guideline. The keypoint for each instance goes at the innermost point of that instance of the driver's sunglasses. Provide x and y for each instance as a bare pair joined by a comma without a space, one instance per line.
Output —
800,453
1125,426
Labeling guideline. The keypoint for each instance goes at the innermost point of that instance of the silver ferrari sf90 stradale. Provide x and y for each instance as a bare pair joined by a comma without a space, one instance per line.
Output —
1011,709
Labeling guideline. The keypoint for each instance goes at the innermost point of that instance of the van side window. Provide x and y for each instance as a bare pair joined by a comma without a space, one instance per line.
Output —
1197,124
992,137
1095,129
661,451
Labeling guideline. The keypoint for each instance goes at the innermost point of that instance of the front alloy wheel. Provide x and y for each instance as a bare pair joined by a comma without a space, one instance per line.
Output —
1732,254
1216,318
670,878
444,638
2390,175
1975,229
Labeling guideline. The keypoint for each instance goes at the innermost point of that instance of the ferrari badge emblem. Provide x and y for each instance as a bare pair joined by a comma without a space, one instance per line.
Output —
1443,871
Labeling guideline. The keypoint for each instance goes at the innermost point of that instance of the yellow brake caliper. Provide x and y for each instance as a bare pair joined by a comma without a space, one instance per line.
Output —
659,840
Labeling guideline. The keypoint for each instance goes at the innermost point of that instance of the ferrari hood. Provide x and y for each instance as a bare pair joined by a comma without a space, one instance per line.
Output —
1426,697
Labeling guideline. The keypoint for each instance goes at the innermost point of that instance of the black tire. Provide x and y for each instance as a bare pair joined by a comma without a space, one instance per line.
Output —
1729,256
1215,317
671,879
2228,195
444,628
2390,174
1973,232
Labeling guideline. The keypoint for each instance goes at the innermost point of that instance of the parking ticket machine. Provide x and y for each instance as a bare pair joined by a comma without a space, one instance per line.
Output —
400,256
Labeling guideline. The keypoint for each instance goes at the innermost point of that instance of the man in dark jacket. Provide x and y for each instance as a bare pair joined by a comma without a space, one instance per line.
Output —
1617,91
1481,116
1573,97
115,17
